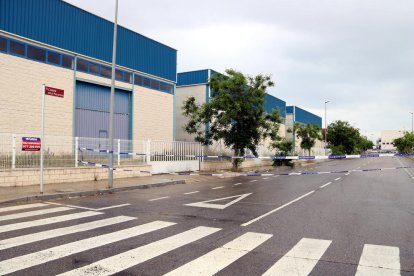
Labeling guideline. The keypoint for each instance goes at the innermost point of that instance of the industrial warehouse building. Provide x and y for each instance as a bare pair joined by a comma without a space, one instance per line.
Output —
57,44
195,84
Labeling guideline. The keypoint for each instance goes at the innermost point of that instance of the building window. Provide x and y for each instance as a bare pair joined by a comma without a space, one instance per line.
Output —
3,44
17,48
53,58
36,53
146,82
155,84
118,75
67,61
106,72
127,77
138,80
163,87
82,65
94,68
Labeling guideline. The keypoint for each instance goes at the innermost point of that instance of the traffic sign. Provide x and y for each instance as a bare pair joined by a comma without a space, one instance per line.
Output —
55,92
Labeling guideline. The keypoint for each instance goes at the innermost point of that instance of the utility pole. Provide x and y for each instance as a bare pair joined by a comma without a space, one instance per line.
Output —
326,129
111,106
412,122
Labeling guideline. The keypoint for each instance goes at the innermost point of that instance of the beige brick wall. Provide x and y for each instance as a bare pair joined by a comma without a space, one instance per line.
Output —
21,93
102,81
152,114
26,177
182,93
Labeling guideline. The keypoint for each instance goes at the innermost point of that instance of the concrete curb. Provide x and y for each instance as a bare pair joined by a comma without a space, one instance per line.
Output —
90,193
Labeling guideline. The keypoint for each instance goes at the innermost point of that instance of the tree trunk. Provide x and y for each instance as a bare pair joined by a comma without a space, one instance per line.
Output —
309,152
235,160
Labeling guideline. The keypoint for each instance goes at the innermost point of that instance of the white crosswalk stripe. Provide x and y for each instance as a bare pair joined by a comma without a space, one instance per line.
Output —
379,260
47,255
219,258
34,213
46,221
301,259
141,254
21,240
21,207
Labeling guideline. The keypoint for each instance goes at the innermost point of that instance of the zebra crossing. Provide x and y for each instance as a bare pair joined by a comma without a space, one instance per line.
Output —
301,259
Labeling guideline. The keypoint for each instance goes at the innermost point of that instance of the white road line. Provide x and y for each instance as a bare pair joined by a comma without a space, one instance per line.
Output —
120,262
189,193
336,179
35,213
20,207
21,240
87,208
379,260
324,185
264,178
216,260
46,221
158,198
54,253
347,173
405,169
237,184
277,209
276,176
254,180
215,188
301,259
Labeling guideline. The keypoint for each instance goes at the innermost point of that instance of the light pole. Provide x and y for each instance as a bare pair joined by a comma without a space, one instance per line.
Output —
111,106
326,129
412,122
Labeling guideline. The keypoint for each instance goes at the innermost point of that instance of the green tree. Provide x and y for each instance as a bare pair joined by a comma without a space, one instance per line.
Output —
284,148
363,144
342,138
308,134
235,114
405,144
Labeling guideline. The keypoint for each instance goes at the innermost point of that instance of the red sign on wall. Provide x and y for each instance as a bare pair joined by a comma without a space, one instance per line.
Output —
55,92
31,144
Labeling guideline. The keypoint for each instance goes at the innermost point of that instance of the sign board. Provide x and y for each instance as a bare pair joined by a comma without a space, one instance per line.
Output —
31,144
55,92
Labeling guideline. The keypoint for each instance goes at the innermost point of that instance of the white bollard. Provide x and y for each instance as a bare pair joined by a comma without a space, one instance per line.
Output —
76,152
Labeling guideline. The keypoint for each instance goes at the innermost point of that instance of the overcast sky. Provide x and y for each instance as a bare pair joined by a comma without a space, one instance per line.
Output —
359,54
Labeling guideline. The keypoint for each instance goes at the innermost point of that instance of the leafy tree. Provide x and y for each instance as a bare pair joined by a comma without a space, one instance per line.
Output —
284,147
405,144
308,134
235,114
342,138
363,144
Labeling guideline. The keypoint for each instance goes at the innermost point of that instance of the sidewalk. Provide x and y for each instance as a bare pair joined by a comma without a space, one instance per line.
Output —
87,188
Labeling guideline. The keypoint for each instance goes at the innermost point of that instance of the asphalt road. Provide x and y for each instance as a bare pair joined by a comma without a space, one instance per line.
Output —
359,223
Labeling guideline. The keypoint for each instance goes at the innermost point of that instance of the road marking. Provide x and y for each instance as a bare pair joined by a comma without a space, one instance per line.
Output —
254,180
264,178
21,240
405,169
301,259
35,213
207,204
46,221
324,185
336,179
358,168
277,209
237,184
189,193
347,173
54,253
158,198
379,260
276,176
20,207
87,208
215,188
120,262
216,260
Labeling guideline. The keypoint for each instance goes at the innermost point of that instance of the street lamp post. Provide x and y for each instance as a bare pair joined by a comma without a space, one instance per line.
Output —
412,122
111,106
326,129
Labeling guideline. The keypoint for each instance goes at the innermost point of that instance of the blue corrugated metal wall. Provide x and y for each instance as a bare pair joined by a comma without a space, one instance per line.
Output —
92,111
272,102
62,25
305,117
193,77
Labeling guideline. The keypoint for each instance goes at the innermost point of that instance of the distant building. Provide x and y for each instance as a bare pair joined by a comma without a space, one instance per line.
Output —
386,141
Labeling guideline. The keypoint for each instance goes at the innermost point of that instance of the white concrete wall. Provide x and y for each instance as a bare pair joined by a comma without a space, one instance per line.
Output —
388,137
182,93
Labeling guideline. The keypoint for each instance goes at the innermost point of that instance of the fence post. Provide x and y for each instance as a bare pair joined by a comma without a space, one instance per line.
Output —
76,152
13,151
148,152
119,152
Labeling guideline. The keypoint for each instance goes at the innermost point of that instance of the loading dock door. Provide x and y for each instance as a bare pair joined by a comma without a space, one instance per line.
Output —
92,112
